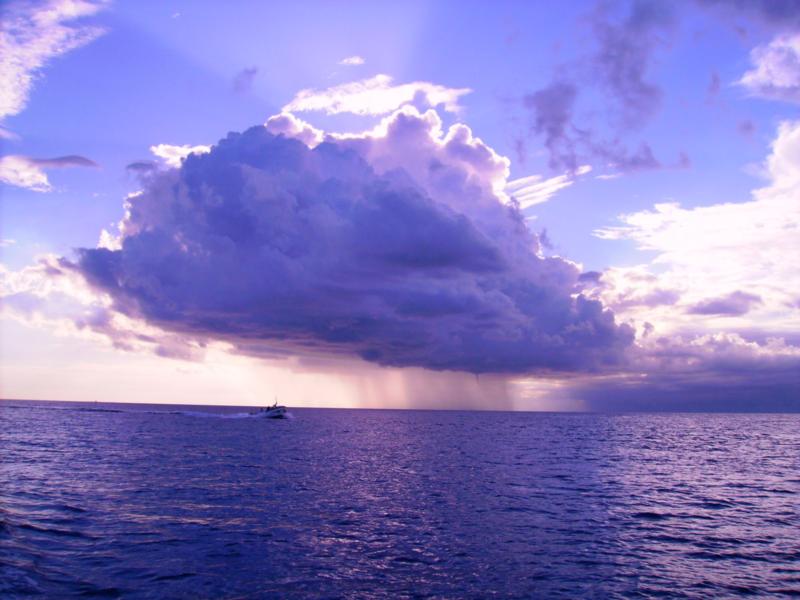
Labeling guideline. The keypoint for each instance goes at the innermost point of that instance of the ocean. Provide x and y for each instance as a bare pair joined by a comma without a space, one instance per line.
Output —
146,501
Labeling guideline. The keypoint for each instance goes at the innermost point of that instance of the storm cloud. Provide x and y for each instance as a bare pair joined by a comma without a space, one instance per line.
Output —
396,246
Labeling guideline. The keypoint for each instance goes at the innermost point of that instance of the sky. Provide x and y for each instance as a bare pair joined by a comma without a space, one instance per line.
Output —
474,205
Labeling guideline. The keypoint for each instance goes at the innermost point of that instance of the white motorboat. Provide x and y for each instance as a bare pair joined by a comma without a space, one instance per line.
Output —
270,412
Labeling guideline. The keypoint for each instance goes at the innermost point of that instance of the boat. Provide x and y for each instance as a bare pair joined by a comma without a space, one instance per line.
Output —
270,412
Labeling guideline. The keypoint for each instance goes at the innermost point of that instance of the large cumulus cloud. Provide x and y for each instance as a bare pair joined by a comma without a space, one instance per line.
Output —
396,246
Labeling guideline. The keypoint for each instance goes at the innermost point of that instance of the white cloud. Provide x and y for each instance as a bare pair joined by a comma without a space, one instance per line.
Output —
532,190
412,141
50,296
30,35
5,243
19,171
707,254
375,96
26,172
173,155
776,71
352,61
290,126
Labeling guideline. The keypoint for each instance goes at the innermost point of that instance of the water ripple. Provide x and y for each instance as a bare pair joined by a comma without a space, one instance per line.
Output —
150,502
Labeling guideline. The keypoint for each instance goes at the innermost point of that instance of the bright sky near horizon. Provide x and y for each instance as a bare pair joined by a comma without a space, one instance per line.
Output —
422,204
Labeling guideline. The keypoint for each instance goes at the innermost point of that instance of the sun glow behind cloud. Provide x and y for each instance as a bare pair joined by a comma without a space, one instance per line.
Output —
378,95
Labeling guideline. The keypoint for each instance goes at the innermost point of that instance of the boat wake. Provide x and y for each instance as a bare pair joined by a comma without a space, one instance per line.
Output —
239,415
200,414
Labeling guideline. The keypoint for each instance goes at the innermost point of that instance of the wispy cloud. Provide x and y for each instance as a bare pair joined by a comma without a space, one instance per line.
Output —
375,96
30,35
534,189
5,134
29,173
352,61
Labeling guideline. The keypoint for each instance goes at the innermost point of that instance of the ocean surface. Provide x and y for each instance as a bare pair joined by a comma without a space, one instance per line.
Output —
195,502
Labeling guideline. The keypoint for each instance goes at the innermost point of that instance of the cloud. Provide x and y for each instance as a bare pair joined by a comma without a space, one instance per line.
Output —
243,82
290,126
746,127
5,134
141,166
714,85
352,61
626,288
552,109
17,171
393,246
776,70
6,242
31,34
711,254
57,298
781,14
534,189
734,304
619,157
29,173
618,67
713,372
173,155
704,343
375,96
625,54
62,162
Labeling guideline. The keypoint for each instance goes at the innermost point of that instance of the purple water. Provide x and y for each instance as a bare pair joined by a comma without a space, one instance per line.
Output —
192,502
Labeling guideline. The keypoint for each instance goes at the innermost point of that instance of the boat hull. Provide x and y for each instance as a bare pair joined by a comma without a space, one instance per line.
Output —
279,412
